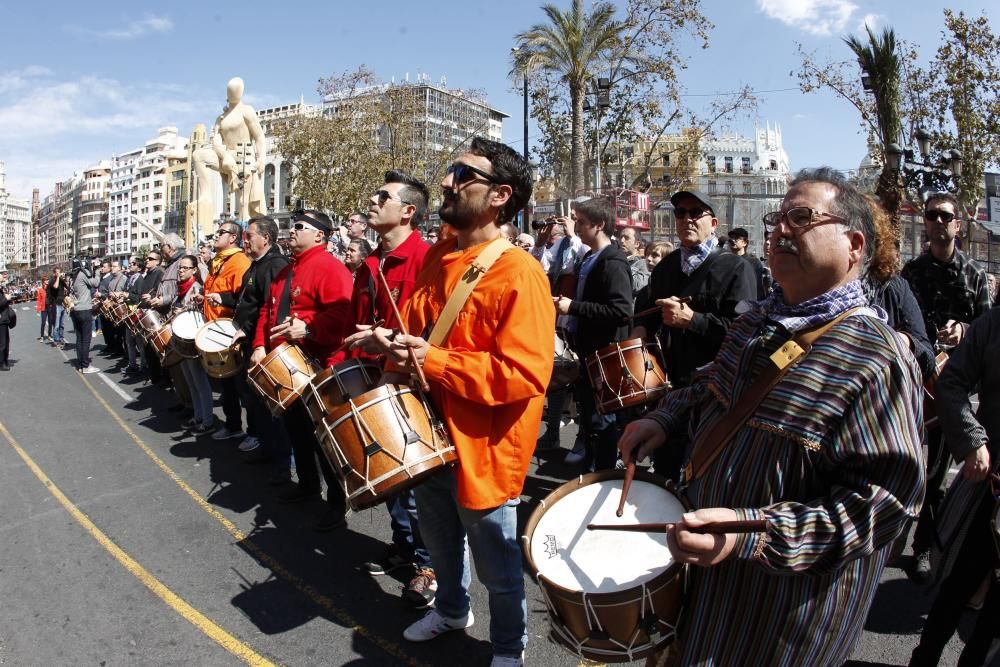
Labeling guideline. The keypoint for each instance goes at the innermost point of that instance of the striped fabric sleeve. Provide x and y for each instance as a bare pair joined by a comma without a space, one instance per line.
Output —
674,407
873,469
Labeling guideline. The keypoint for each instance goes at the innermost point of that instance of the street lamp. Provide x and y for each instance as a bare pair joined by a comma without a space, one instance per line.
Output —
524,213
602,100
925,175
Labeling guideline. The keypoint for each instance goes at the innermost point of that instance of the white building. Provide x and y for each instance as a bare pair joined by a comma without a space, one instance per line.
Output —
123,168
15,228
277,170
92,220
747,177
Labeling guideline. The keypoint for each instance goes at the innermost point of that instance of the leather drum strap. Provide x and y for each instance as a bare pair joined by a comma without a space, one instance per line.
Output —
463,290
710,442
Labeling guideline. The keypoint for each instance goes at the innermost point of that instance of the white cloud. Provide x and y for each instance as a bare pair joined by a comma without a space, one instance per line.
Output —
131,30
872,21
818,17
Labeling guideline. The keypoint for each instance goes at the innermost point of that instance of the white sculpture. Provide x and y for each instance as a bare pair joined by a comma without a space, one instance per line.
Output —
237,152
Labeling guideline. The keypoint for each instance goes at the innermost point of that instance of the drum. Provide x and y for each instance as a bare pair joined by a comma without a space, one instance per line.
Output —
930,390
117,312
214,342
566,367
282,376
149,323
132,319
611,596
161,341
384,442
332,387
185,326
626,374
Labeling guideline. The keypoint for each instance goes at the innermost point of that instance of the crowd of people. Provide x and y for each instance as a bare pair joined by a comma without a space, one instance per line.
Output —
796,391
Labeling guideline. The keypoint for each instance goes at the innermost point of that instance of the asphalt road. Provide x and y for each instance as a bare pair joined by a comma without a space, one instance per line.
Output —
125,542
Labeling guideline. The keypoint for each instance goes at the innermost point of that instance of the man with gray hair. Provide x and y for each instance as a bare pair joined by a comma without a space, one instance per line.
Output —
806,426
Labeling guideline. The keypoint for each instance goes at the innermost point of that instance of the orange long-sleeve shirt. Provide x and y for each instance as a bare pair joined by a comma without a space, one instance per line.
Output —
489,376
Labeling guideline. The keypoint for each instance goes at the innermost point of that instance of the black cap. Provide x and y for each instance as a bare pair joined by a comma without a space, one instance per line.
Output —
704,199
317,219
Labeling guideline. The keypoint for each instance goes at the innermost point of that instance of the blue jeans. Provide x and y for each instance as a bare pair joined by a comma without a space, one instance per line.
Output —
201,390
492,538
406,528
56,315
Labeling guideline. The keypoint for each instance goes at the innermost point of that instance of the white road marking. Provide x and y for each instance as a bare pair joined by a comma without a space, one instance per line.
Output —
114,387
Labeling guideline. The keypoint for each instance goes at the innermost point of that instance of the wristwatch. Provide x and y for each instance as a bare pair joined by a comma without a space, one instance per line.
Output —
308,331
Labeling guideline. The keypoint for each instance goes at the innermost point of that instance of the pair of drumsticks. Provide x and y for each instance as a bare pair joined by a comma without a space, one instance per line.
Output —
717,528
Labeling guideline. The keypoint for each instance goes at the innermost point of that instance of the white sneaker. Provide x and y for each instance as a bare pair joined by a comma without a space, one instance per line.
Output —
91,369
225,434
508,660
434,623
249,444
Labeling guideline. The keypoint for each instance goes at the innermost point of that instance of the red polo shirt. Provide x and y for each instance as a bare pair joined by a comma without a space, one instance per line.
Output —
320,296
400,267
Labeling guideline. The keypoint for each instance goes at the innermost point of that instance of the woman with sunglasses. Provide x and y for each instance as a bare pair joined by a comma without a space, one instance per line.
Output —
189,297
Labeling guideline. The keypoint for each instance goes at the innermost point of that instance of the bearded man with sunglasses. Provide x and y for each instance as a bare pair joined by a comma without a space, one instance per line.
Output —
487,379
309,306
952,290
826,457
395,212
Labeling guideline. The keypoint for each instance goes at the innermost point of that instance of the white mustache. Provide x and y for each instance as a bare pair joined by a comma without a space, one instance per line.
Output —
787,244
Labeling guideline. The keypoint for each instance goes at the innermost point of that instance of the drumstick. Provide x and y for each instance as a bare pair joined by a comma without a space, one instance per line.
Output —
402,327
656,309
376,323
629,474
717,528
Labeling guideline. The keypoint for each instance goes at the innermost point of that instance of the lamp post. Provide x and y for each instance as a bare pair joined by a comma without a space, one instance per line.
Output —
925,175
525,212
602,100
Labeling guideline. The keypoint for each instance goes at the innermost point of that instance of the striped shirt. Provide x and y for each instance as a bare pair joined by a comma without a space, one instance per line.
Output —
831,459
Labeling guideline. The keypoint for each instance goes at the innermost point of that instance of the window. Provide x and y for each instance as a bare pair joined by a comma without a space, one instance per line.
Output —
713,187
729,165
774,165
710,160
747,187
666,159
730,187
745,165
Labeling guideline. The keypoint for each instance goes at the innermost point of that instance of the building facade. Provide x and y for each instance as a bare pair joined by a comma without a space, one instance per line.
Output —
92,224
15,229
123,170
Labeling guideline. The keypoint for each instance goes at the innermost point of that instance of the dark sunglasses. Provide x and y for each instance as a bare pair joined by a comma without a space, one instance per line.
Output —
299,226
384,196
156,259
935,216
463,173
690,213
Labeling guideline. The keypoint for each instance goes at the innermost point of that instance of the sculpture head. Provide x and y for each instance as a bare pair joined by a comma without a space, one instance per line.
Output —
234,90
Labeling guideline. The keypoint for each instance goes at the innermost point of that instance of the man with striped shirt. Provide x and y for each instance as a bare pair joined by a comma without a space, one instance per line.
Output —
829,459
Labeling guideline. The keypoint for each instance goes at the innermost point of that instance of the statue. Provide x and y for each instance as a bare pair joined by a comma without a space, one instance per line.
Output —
237,153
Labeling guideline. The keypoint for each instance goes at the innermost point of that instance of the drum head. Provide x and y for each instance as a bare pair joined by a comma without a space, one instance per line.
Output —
603,561
186,324
216,336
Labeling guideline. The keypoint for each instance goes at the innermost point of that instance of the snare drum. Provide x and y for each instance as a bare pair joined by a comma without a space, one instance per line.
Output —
214,342
132,319
117,312
332,387
161,340
150,322
185,326
612,596
384,442
282,376
626,374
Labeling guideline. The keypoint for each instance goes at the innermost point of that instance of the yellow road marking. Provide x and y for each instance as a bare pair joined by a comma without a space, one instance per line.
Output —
189,613
258,553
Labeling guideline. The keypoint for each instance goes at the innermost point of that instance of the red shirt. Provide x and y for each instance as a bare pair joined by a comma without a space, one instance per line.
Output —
320,296
400,268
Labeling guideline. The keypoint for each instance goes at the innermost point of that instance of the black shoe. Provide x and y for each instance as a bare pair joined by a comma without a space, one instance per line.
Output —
280,479
390,560
180,407
333,519
547,444
920,572
4,367
255,456
297,495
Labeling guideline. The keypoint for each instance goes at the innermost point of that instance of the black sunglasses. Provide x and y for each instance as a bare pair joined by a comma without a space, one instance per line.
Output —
157,259
299,226
463,173
690,213
384,196
935,216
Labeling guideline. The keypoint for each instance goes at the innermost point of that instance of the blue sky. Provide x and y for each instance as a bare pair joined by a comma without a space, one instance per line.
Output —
80,81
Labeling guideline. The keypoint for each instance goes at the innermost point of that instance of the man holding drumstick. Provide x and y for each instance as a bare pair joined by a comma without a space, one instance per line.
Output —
487,382
828,455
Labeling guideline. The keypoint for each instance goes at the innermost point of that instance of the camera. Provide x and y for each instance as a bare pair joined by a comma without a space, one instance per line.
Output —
539,224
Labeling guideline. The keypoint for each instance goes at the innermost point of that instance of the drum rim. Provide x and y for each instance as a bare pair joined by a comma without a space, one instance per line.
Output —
579,482
204,327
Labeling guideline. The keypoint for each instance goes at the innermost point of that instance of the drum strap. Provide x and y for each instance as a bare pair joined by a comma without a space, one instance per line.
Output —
710,442
463,290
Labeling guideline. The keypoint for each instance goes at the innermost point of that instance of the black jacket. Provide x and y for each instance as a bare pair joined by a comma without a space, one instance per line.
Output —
603,310
56,291
149,284
4,308
715,287
256,287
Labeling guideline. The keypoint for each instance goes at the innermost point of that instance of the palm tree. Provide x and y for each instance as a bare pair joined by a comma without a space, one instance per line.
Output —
573,45
880,60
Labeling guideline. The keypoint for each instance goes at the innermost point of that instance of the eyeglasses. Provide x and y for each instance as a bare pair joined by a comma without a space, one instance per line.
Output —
364,222
689,213
936,216
384,196
219,233
463,173
799,217
186,268
155,259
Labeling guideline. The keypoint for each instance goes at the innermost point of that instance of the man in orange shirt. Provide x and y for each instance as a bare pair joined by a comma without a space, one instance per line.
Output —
222,291
488,381
40,307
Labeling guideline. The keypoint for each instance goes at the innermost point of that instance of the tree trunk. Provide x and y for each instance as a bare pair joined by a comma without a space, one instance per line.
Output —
887,190
576,95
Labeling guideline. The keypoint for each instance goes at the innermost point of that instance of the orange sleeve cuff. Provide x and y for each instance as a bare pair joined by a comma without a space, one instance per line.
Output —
435,362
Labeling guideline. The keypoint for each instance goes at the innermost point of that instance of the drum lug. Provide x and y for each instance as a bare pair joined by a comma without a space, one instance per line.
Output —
598,636
651,626
412,437
372,449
